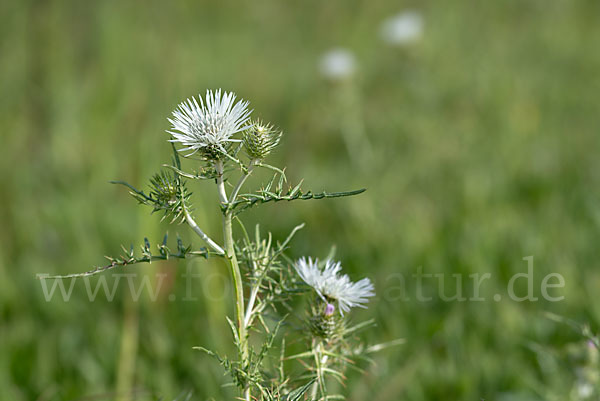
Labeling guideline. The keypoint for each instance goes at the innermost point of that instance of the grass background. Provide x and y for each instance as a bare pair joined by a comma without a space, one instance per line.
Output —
484,149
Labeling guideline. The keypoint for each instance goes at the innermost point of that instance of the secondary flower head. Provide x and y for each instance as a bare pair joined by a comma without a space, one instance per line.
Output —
260,139
330,284
208,126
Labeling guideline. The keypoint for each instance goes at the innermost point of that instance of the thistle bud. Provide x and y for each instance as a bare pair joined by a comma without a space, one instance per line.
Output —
164,188
260,139
323,322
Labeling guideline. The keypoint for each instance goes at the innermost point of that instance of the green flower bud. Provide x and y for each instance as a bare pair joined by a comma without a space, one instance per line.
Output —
260,139
324,323
164,188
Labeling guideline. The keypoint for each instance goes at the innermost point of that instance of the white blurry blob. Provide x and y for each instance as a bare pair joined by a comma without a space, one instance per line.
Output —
402,29
337,64
585,390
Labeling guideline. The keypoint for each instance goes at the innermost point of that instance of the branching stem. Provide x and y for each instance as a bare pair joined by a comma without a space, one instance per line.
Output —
201,233
242,180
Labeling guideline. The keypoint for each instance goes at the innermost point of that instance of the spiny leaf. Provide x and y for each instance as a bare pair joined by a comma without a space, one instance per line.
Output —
265,195
128,258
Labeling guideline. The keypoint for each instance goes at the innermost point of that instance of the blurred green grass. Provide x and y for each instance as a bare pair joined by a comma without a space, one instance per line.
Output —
485,142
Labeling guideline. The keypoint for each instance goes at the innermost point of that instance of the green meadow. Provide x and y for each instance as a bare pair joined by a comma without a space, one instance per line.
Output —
478,145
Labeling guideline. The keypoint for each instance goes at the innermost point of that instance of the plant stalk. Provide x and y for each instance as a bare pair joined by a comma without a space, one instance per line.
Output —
237,280
234,269
241,182
201,233
320,362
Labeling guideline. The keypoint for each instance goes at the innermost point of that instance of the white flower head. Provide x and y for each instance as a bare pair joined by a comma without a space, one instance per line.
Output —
209,125
330,284
337,64
401,29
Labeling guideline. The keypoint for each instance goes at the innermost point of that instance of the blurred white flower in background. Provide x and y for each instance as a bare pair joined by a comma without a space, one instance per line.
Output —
337,64
402,29
585,390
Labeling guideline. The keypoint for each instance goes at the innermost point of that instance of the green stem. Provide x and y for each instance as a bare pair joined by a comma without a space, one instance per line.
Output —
234,269
201,234
241,182
238,289
237,280
320,362
220,183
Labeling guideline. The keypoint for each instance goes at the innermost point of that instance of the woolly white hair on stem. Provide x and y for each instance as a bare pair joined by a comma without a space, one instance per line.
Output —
330,283
209,124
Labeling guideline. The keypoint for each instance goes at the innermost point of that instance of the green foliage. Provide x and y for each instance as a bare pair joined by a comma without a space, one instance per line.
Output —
483,141
277,194
269,279
260,140
128,257
168,192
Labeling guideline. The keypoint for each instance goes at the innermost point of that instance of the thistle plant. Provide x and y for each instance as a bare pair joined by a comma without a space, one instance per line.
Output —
278,298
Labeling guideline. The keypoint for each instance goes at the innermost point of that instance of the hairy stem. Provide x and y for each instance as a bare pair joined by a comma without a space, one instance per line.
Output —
234,269
201,233
238,289
221,183
241,182
236,276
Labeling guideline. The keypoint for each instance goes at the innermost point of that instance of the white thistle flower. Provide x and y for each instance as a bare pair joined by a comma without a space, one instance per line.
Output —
401,29
332,285
337,64
209,126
